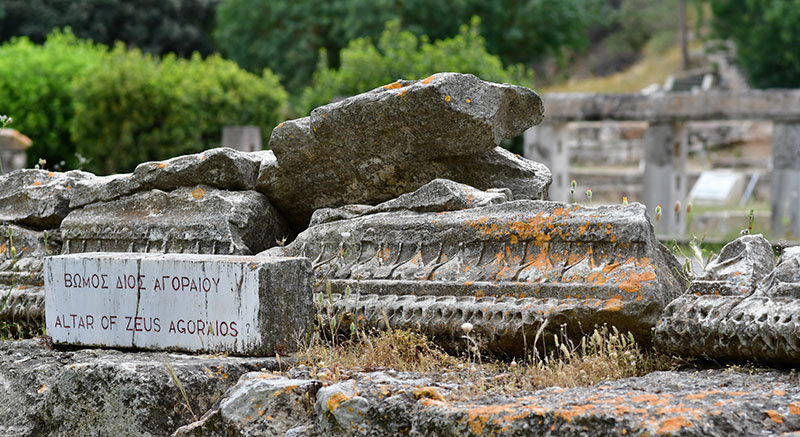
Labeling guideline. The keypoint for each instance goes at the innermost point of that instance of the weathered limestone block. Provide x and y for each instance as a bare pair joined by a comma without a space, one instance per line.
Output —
259,404
738,269
21,278
505,268
686,403
389,141
239,305
717,320
438,195
37,198
188,220
222,168
107,392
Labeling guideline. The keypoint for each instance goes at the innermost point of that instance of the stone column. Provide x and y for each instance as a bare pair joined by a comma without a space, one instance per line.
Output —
665,153
244,138
547,143
785,194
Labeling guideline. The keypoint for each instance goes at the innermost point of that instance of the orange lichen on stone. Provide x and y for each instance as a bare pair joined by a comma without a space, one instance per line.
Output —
775,416
280,125
198,193
577,410
384,253
335,401
37,183
429,393
794,408
673,424
446,98
479,293
393,86
402,93
779,392
613,304
50,174
633,283
648,397
162,165
429,79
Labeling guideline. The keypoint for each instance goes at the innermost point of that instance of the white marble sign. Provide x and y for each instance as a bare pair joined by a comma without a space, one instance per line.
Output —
215,303
717,187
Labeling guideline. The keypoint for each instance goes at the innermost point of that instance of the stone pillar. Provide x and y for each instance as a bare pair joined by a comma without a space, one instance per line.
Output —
665,153
12,150
244,138
785,194
547,143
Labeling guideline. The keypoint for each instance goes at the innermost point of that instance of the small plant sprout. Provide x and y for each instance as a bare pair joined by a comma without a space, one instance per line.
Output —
625,200
589,195
474,348
466,327
751,219
658,212
677,207
572,191
688,207
5,120
42,162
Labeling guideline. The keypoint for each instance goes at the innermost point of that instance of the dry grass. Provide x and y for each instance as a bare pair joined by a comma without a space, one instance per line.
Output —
604,355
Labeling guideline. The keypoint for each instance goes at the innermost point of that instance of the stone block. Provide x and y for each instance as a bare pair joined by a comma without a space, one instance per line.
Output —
37,198
197,219
392,140
744,313
506,268
238,305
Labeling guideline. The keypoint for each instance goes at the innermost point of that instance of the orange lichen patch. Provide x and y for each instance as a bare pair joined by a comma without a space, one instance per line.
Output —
280,124
673,424
479,293
402,93
625,409
633,283
469,100
513,240
583,228
42,389
575,258
335,401
446,98
198,193
608,268
384,253
50,174
648,397
162,165
613,239
794,408
393,86
433,402
775,416
37,183
779,392
428,79
417,259
613,304
577,410
429,393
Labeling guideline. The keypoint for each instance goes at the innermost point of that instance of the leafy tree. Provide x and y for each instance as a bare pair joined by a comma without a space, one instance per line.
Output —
155,26
766,36
286,35
401,54
135,107
36,90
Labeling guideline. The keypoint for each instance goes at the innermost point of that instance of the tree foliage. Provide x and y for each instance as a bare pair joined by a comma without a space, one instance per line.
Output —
36,90
286,35
766,36
155,26
135,107
120,107
401,54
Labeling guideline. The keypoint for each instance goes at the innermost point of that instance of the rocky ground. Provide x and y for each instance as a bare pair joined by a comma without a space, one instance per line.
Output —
49,391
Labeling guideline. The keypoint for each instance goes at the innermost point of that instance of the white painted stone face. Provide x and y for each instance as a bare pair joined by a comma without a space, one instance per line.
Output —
173,301
717,187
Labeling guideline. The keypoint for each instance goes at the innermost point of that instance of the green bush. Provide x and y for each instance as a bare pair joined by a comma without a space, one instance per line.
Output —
766,36
400,54
36,91
134,107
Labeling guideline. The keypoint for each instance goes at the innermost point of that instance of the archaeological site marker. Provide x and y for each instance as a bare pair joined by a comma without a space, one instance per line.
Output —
236,304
